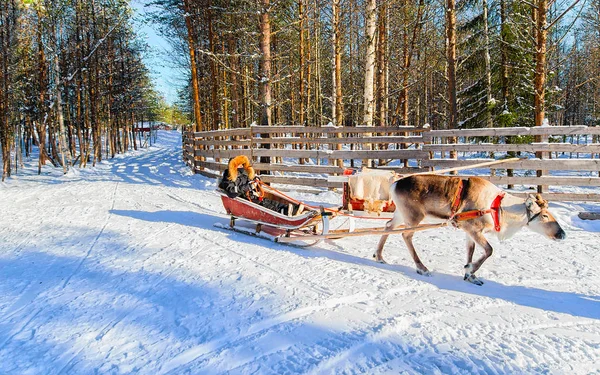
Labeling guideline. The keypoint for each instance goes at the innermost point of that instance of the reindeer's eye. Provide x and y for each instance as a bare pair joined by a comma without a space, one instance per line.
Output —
545,217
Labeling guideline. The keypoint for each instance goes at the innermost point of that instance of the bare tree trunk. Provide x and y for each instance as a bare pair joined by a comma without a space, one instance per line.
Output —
539,83
540,62
193,64
235,90
301,53
265,70
488,69
42,96
370,33
59,114
213,70
370,30
338,110
381,58
451,69
504,55
336,105
451,63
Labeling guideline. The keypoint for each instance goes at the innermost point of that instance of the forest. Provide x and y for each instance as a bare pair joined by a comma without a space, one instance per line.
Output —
447,63
73,81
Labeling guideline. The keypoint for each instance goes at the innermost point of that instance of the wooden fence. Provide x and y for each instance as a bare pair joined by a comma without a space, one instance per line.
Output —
308,155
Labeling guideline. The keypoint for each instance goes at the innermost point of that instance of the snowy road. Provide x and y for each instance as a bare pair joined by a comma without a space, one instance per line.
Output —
119,270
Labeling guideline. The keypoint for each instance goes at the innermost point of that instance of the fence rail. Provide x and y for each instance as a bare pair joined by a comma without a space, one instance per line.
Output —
308,155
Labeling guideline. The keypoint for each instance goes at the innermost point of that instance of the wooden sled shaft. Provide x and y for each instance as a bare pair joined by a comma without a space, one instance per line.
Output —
380,232
472,166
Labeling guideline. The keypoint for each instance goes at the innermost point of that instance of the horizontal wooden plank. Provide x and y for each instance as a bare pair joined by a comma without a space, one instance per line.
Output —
318,154
536,130
545,180
404,170
532,147
530,164
245,132
316,169
224,153
564,197
301,181
243,142
331,129
211,165
341,140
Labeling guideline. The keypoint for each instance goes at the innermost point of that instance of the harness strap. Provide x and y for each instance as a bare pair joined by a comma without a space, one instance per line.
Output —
531,218
457,198
494,210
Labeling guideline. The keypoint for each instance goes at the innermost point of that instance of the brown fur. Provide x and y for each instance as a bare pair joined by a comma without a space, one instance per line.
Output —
417,197
237,162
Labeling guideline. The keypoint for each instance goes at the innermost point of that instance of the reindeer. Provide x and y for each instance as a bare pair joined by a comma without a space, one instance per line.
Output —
473,205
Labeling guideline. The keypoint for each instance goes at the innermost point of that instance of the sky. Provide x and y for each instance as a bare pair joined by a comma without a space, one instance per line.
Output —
166,77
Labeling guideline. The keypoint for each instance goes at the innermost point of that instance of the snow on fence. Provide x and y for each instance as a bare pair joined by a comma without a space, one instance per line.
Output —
308,155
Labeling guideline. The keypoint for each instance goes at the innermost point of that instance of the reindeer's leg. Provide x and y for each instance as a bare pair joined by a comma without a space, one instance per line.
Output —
392,224
470,249
471,267
378,254
421,269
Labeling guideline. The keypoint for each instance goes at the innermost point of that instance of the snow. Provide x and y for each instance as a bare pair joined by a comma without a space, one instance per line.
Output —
125,272
545,123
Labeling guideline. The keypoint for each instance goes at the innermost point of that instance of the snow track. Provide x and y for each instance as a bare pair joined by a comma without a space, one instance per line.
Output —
119,269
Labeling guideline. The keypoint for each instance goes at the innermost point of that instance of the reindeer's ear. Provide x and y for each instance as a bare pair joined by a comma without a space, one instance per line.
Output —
531,204
540,201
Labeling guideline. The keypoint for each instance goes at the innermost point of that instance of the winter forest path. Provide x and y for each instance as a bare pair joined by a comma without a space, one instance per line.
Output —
119,269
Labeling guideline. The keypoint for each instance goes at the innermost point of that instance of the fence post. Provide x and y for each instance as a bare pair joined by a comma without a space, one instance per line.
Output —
541,155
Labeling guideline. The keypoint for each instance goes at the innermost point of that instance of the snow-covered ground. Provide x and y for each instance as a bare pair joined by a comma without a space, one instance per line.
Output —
119,269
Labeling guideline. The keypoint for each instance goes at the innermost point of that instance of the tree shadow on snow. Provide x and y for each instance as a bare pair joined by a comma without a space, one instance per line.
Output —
187,218
561,302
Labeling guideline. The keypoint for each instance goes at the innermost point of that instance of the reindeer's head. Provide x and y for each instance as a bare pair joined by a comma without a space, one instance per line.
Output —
540,220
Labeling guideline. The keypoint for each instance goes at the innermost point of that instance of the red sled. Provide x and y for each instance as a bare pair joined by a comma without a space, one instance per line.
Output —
266,223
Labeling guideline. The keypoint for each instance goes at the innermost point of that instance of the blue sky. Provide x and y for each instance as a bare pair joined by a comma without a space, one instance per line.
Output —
165,76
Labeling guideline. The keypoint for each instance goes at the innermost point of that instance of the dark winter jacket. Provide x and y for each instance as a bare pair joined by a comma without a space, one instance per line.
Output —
240,187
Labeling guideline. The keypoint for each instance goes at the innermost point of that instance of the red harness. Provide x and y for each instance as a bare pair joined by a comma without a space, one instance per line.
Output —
494,209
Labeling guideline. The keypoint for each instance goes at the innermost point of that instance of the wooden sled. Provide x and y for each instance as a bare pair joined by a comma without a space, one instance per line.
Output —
251,218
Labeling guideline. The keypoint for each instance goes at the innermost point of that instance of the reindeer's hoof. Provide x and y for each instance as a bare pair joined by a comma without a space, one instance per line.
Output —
379,260
423,272
473,279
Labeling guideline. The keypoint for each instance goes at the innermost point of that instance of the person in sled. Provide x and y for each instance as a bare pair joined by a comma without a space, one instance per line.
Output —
239,180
